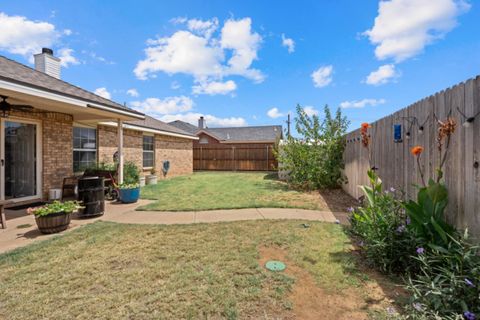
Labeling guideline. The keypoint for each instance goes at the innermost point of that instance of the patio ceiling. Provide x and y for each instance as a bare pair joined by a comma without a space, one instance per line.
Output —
81,110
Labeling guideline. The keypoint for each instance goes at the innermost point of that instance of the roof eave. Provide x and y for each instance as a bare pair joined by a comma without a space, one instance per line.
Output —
30,89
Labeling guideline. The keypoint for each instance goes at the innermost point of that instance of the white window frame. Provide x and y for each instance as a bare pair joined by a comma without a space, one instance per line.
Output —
85,149
149,151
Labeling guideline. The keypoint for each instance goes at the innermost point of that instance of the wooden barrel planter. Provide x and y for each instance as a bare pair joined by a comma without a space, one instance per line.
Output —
53,223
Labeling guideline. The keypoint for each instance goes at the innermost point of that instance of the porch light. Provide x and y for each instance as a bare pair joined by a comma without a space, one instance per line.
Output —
420,129
468,120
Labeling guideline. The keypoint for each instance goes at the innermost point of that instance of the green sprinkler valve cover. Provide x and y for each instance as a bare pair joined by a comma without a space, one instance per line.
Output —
273,265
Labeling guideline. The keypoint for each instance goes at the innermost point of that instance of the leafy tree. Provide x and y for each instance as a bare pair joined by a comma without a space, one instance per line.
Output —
315,159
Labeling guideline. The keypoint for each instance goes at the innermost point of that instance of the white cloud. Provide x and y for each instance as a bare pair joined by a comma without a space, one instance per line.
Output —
211,121
289,43
133,92
18,35
237,35
164,106
275,113
203,27
103,92
322,76
358,104
403,28
66,57
214,87
310,111
195,52
183,52
382,75
67,32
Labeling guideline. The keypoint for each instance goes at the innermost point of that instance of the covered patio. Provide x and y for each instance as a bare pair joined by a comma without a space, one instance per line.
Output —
38,114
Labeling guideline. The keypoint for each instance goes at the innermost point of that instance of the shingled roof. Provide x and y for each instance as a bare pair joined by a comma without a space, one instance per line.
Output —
185,126
18,73
247,134
236,134
152,123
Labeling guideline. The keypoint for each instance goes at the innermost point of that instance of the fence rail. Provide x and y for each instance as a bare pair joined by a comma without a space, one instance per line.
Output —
234,158
398,168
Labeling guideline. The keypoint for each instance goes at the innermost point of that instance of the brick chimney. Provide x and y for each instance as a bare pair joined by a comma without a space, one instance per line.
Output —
201,123
45,62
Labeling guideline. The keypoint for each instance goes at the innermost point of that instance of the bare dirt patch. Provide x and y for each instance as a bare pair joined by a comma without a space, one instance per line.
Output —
313,302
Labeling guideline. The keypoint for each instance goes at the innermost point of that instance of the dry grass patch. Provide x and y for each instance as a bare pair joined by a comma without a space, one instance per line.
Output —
115,271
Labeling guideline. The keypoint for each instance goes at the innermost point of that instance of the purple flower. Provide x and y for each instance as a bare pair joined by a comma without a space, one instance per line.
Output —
401,228
392,189
469,315
361,243
469,283
408,221
420,250
418,306
351,209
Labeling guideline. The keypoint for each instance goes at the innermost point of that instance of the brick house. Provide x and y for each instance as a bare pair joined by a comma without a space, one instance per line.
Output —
50,129
233,149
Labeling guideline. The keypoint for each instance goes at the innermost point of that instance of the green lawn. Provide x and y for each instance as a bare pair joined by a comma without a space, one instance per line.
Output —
222,190
206,271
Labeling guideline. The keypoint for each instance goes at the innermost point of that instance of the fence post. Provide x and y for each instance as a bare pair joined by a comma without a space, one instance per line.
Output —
233,159
268,167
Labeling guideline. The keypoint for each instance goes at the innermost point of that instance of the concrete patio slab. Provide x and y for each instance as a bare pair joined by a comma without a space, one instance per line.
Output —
227,215
154,217
22,229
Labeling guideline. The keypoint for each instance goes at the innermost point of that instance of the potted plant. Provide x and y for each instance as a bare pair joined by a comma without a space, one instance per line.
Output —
54,217
129,190
152,178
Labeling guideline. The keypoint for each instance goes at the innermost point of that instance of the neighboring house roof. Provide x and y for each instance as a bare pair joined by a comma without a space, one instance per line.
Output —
235,134
185,126
247,134
16,72
152,123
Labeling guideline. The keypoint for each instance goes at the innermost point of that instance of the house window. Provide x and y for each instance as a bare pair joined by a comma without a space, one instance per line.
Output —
203,140
148,151
84,148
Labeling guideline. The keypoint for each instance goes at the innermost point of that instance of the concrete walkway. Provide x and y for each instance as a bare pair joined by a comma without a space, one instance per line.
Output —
22,230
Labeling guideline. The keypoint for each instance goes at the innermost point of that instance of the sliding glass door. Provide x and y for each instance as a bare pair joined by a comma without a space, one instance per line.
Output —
19,159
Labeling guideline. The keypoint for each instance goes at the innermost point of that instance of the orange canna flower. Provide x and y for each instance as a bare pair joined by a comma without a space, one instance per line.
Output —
417,151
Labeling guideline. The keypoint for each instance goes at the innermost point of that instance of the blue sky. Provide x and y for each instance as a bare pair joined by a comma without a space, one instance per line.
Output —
250,62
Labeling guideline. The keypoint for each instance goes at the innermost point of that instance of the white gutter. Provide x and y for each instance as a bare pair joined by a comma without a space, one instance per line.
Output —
61,98
144,129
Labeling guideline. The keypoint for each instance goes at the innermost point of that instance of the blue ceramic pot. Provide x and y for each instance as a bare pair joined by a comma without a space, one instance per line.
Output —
129,195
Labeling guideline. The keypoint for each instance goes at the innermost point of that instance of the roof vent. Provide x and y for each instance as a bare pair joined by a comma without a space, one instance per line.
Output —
201,123
45,62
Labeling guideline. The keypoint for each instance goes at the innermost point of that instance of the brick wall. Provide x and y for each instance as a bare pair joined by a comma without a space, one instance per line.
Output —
177,150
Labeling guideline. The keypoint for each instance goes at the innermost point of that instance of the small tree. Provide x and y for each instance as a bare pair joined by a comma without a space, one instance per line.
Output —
315,159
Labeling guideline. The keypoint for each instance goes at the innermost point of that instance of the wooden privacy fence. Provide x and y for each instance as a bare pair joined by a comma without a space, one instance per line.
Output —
398,168
232,158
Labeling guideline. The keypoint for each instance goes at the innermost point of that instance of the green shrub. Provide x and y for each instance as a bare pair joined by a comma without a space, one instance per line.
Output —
448,282
315,159
428,216
383,228
131,173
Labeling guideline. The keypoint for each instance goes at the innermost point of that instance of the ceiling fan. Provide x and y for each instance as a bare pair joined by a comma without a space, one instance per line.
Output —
6,107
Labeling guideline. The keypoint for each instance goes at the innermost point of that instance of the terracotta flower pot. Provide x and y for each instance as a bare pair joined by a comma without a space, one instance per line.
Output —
54,222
